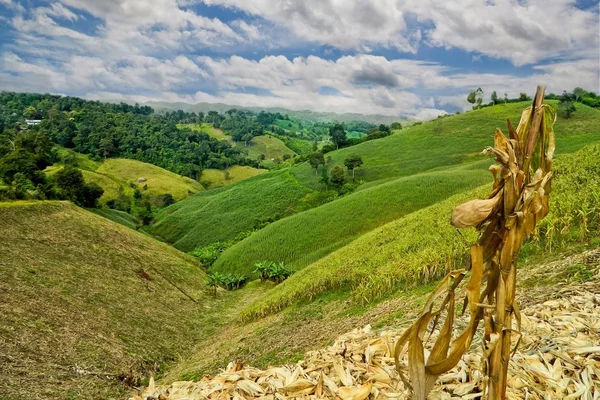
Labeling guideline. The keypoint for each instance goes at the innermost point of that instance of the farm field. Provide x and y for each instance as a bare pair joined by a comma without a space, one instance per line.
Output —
224,214
301,239
78,289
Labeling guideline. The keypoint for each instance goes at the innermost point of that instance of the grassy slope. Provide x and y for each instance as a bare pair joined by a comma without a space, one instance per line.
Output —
451,140
423,245
116,174
159,180
432,146
72,294
221,214
303,238
216,178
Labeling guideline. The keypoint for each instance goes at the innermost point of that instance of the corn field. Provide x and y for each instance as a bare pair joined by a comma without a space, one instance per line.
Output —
519,199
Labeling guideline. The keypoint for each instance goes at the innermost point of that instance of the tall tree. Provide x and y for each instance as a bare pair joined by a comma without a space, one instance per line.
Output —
565,104
494,97
337,175
337,135
475,98
315,159
352,162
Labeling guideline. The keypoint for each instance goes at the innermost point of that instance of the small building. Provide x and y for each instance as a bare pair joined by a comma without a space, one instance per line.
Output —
32,122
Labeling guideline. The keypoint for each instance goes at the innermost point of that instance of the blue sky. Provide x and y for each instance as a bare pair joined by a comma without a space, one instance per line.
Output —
416,58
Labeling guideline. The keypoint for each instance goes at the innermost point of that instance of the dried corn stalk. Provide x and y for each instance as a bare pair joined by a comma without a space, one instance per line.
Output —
518,201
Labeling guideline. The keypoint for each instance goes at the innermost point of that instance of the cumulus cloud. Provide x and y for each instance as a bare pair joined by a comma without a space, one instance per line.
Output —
340,23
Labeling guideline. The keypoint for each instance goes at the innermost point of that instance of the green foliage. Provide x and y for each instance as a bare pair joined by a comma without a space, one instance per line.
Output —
337,135
209,254
337,176
226,281
566,106
396,126
272,271
315,159
475,98
104,130
71,186
352,162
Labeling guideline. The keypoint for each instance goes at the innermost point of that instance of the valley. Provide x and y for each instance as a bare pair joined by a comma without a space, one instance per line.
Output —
97,300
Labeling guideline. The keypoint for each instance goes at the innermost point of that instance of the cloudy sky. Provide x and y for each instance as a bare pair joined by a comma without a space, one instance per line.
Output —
415,58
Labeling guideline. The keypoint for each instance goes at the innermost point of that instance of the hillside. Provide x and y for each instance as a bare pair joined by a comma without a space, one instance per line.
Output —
303,238
450,142
422,246
216,178
223,214
116,175
86,303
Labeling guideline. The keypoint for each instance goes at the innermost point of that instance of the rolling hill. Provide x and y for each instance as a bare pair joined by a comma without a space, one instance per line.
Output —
223,214
450,142
116,175
303,238
423,246
86,303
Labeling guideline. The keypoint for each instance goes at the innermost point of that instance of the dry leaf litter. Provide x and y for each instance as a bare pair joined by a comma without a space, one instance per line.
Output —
558,358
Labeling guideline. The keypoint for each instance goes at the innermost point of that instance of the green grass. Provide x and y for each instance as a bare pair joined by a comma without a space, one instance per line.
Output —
216,178
222,214
269,146
449,141
298,146
158,180
302,239
73,293
452,142
115,175
120,217
209,130
423,246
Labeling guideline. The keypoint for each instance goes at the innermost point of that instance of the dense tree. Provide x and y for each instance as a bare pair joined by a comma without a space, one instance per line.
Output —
565,104
337,175
71,186
524,97
475,98
315,159
494,97
352,162
337,135
396,126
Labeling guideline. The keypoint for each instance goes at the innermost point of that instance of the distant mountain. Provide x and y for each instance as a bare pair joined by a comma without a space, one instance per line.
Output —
302,115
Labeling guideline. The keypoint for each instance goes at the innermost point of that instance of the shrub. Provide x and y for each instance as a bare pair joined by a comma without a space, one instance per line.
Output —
209,254
230,282
272,271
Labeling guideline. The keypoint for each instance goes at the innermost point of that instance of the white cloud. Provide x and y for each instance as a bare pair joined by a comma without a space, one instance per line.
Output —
339,23
523,31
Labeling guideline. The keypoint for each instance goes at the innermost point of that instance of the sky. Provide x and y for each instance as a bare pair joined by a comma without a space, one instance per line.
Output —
405,58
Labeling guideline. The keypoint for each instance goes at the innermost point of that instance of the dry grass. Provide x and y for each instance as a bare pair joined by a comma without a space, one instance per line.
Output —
85,302
366,355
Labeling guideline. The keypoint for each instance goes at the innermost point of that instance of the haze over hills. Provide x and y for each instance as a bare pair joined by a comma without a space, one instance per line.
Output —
297,114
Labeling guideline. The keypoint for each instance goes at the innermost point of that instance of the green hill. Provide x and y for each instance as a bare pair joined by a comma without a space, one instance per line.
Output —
305,237
86,303
118,175
222,214
451,142
423,246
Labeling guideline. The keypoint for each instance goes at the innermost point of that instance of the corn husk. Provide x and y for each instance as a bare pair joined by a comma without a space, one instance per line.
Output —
558,358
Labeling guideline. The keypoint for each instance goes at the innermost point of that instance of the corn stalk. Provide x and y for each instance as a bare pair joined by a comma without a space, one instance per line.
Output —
519,199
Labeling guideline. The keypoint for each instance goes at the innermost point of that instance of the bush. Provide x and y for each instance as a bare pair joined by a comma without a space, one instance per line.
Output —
209,254
272,271
225,281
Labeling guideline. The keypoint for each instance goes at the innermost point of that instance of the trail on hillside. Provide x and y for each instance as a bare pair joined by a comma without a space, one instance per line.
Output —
558,357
